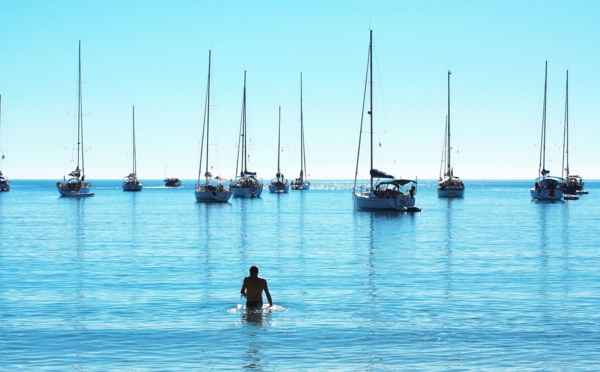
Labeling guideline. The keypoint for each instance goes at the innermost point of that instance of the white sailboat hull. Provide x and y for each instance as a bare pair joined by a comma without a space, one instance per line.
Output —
371,201
299,186
73,191
547,189
4,185
132,184
132,187
451,188
246,187
451,193
279,188
247,192
204,195
545,194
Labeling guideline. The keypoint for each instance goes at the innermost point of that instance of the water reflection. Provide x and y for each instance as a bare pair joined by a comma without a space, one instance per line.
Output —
77,206
204,235
300,242
449,216
545,210
371,294
133,219
255,320
279,223
244,210
566,249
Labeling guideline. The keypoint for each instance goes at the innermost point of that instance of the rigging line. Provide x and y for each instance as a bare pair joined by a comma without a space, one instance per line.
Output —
204,123
444,148
237,162
565,170
362,117
542,139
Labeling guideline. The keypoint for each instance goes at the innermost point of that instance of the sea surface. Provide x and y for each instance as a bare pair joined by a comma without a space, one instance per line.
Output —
150,281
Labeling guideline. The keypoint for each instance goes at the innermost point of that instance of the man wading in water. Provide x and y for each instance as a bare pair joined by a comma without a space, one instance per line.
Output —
253,287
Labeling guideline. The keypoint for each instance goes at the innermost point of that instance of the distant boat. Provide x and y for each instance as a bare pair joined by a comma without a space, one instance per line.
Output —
449,185
388,193
279,185
76,186
213,189
131,183
4,182
546,187
573,183
301,183
246,184
172,182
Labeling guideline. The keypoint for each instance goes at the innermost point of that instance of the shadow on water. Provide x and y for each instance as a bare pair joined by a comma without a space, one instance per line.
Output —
566,245
301,241
244,210
545,211
255,320
379,238
80,302
133,254
448,248
204,250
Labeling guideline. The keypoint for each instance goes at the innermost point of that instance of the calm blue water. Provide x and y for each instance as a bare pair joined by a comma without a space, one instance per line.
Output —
151,280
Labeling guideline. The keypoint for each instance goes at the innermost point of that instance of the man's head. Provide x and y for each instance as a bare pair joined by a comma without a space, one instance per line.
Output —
254,270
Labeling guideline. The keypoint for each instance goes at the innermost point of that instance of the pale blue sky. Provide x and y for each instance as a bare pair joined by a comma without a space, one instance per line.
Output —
154,54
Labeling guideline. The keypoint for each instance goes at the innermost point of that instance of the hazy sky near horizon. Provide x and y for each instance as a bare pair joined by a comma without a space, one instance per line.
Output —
154,55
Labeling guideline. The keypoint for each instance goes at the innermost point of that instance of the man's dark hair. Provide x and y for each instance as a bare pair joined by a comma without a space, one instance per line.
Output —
254,270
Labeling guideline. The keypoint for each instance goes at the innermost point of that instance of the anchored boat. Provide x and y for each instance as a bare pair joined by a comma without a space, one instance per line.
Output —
573,184
279,185
385,192
212,190
246,184
77,186
546,187
4,182
301,183
131,183
449,185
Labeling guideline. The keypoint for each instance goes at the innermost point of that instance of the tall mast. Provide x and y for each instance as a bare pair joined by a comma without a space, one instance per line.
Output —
302,156
448,148
371,98
134,150
80,120
208,110
543,142
279,143
2,154
565,164
244,127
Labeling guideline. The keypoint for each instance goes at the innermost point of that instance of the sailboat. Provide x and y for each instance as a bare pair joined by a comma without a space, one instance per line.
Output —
573,183
171,181
546,187
212,190
77,186
301,183
279,185
385,192
246,184
131,183
4,182
449,185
